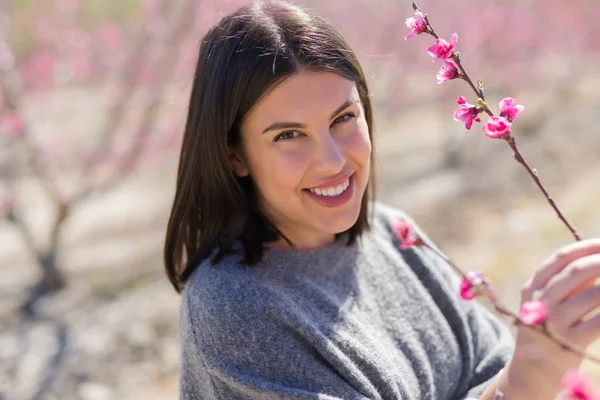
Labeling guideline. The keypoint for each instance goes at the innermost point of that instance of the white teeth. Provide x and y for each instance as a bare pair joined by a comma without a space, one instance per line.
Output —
332,191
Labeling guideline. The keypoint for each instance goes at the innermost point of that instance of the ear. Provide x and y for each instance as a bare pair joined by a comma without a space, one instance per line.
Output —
238,162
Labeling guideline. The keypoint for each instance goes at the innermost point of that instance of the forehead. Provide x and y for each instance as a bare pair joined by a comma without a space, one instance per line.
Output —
305,94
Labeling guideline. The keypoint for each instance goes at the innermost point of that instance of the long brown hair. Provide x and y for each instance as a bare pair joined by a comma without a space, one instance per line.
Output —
240,60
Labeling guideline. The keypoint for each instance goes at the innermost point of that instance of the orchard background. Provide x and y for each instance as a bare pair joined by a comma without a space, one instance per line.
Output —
92,107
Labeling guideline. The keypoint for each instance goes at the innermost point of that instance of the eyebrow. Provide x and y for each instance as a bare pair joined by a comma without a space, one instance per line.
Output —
291,125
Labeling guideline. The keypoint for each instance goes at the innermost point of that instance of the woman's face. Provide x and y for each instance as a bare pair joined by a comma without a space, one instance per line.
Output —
306,146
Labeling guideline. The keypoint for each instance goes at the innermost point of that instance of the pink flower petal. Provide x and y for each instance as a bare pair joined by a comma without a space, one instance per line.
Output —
453,39
507,103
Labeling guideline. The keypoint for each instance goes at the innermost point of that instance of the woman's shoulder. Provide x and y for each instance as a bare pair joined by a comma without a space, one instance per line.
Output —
219,281
417,257
218,298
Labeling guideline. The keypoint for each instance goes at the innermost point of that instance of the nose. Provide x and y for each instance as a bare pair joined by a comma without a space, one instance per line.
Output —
329,155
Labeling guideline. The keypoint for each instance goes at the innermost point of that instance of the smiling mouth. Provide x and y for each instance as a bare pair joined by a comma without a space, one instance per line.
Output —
332,191
333,196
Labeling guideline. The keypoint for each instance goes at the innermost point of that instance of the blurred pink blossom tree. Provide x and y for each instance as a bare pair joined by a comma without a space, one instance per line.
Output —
61,44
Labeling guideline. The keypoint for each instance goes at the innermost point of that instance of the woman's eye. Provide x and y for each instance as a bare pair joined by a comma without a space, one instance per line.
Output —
344,118
287,135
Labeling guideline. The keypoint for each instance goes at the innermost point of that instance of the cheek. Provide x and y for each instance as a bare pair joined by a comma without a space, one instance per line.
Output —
359,145
278,171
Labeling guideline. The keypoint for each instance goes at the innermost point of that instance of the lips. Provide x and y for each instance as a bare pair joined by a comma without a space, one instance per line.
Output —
333,201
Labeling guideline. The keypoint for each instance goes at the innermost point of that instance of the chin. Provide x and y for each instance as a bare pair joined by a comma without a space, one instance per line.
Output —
345,221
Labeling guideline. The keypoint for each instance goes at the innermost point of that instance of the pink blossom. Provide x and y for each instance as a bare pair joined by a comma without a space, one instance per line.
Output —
497,127
466,112
405,234
466,285
11,124
510,109
443,50
577,386
416,24
533,312
447,71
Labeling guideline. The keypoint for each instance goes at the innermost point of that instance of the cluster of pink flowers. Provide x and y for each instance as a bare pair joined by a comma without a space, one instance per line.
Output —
497,127
531,313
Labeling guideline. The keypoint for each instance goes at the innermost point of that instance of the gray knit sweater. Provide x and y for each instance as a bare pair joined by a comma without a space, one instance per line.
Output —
367,321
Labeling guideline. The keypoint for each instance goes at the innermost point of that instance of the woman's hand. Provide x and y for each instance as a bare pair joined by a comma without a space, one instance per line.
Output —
566,282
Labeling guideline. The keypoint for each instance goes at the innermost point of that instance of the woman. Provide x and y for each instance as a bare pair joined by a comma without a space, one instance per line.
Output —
292,284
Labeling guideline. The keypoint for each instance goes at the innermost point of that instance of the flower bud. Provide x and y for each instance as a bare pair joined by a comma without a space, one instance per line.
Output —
533,312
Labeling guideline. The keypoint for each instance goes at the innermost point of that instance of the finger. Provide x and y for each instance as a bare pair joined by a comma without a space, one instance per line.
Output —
577,273
571,311
585,332
557,262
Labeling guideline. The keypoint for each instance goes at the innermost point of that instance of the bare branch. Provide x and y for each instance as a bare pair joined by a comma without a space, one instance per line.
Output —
180,25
